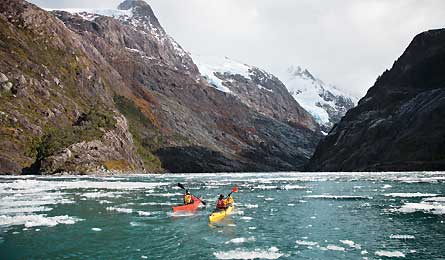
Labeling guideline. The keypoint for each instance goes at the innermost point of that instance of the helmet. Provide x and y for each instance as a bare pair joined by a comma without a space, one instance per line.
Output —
187,192
221,196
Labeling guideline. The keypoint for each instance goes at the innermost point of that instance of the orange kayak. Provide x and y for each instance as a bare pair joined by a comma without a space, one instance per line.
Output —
189,207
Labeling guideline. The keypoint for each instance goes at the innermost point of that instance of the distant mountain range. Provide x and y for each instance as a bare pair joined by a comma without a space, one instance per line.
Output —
110,90
325,103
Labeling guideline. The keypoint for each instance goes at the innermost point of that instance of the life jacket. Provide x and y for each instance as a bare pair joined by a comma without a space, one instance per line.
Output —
187,199
221,204
230,200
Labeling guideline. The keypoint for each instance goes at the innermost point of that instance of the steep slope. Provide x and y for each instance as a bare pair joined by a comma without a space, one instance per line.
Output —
400,123
324,102
110,89
254,87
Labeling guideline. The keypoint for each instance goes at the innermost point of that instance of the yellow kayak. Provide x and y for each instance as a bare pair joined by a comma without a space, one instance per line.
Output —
218,215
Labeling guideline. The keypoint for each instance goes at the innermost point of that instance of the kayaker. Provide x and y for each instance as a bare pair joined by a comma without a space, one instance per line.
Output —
187,198
221,203
230,200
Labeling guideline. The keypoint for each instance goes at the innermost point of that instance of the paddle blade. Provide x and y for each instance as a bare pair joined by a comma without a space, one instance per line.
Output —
235,189
181,186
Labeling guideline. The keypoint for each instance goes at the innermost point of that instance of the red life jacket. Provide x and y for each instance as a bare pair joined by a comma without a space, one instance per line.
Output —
221,204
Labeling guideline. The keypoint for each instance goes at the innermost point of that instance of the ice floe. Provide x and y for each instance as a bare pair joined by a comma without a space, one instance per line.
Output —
335,248
410,195
96,229
37,220
385,253
351,244
271,253
306,243
120,210
402,236
240,240
338,197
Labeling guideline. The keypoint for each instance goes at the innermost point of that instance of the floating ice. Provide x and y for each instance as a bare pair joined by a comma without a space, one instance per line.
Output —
410,195
120,210
306,243
402,237
240,240
351,244
37,220
335,248
338,197
144,213
96,229
271,253
389,253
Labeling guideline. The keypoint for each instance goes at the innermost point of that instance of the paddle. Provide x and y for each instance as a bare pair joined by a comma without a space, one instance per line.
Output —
234,189
182,187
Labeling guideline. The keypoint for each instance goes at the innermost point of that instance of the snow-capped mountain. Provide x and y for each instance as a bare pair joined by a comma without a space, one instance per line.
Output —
158,45
254,87
326,103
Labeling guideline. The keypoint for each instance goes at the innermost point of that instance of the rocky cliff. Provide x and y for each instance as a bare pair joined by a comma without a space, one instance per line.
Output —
400,123
110,90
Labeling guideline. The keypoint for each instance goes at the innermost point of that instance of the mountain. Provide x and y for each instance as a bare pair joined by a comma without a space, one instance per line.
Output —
400,124
256,88
326,103
96,90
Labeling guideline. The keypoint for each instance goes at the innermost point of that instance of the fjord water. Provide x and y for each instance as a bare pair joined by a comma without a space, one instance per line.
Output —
277,216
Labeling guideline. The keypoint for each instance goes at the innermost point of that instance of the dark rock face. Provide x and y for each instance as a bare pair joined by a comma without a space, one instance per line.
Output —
400,123
91,92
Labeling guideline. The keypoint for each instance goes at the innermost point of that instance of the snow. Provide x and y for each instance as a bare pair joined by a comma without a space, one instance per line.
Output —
389,253
91,14
271,253
209,66
308,91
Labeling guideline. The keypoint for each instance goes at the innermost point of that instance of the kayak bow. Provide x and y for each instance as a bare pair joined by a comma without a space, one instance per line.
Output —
221,214
189,207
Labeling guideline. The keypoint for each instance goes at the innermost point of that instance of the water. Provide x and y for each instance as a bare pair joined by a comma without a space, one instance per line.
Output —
277,216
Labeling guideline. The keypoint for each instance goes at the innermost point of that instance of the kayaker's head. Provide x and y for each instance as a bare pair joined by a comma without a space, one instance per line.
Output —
187,192
221,196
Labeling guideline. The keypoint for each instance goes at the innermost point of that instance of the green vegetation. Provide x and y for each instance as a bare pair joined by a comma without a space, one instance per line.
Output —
90,126
147,138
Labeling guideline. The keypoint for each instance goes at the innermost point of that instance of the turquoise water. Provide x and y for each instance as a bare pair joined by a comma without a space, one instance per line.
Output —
277,216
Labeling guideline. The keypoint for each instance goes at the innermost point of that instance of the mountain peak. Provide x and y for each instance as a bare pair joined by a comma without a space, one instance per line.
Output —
300,72
130,4
142,11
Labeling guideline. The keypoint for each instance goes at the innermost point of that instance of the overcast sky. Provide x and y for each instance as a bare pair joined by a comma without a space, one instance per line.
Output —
344,42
